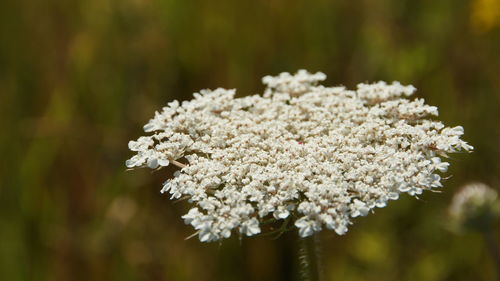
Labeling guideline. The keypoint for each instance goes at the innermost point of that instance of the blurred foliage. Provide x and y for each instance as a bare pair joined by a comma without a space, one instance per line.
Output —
79,78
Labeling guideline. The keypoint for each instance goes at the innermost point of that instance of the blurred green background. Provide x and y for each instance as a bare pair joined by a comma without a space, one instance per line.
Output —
79,78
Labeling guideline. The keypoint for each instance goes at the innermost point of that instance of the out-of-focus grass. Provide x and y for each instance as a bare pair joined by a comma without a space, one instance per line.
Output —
78,78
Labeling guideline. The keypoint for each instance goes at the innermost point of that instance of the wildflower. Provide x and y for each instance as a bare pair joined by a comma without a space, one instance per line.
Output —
314,154
475,207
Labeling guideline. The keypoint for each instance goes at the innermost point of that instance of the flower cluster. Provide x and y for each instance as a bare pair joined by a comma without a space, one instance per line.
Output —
315,155
475,207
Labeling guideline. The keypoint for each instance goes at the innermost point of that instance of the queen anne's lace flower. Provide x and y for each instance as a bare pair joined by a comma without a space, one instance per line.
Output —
317,155
475,207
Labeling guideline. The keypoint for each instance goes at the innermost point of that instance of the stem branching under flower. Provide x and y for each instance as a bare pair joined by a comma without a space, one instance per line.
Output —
178,164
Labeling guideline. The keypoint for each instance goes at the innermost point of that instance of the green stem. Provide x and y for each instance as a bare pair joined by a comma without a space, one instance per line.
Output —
491,244
309,259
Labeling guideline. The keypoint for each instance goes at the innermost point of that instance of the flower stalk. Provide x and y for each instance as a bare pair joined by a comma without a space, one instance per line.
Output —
310,258
492,245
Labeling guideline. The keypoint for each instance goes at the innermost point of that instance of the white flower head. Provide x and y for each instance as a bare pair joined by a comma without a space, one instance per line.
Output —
316,155
475,206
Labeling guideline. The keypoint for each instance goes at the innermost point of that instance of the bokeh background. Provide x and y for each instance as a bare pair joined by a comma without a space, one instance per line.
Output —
79,78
